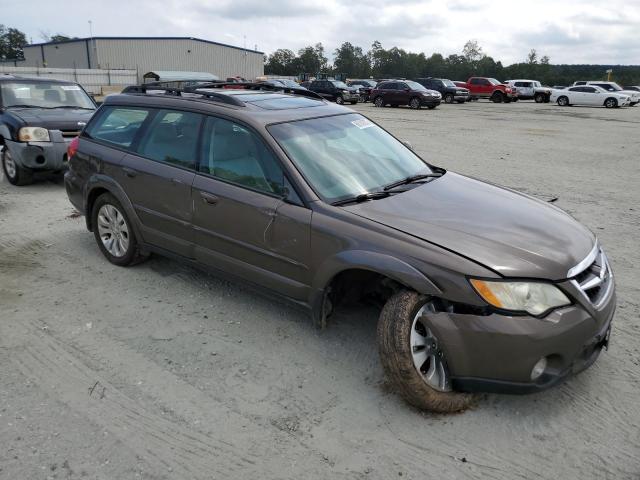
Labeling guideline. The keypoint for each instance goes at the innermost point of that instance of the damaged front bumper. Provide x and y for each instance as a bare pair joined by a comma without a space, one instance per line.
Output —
41,155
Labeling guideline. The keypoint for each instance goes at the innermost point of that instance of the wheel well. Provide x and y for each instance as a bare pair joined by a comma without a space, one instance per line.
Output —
91,199
359,285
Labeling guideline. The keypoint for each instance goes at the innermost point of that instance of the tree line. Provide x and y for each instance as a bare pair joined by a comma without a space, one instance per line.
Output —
13,40
395,62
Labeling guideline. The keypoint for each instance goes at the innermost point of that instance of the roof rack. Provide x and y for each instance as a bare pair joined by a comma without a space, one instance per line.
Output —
255,86
180,92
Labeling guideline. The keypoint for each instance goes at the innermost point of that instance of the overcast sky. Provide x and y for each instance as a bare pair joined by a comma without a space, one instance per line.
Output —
569,31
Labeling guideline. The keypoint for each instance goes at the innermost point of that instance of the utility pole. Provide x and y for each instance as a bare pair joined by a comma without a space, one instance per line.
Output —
90,29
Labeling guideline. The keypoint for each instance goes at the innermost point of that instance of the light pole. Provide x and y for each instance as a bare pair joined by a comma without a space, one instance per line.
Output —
90,29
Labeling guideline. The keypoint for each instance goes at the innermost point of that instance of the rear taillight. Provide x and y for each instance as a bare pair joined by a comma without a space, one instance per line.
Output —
73,147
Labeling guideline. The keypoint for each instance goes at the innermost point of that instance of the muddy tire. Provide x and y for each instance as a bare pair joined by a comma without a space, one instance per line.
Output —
497,97
14,173
397,355
539,98
114,233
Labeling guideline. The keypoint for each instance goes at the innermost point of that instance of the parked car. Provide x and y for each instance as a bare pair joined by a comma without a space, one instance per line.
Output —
530,90
558,87
364,86
589,95
335,90
456,262
449,91
405,92
614,87
38,118
483,87
284,82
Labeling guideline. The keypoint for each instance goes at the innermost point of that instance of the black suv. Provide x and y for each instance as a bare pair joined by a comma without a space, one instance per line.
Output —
336,91
484,289
38,118
449,91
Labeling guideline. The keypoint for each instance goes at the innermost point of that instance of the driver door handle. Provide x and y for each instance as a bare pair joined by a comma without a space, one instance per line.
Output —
129,172
208,198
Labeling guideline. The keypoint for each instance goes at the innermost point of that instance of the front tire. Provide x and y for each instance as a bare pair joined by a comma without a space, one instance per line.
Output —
414,103
16,174
113,232
378,102
611,103
563,101
411,356
497,97
539,98
448,98
340,100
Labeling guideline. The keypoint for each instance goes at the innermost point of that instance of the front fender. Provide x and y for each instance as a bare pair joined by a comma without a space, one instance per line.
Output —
381,263
102,182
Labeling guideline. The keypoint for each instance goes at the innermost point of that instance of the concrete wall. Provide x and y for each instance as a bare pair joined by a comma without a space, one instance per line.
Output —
145,55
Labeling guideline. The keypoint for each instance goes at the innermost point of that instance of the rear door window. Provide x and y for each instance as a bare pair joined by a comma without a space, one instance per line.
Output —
118,125
172,138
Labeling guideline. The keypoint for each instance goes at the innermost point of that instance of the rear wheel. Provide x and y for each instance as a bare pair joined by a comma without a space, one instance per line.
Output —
611,103
563,101
113,232
16,174
414,103
539,98
412,357
379,102
448,98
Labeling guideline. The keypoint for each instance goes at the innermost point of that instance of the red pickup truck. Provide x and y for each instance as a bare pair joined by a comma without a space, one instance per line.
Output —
482,87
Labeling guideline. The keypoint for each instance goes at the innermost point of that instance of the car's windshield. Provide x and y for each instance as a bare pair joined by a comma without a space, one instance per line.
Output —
339,84
346,155
493,81
288,83
415,86
536,84
44,95
448,83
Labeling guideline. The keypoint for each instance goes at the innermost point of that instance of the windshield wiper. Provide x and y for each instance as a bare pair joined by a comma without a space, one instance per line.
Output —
23,106
412,179
363,197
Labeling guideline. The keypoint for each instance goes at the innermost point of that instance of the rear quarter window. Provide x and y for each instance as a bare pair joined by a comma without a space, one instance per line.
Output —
117,125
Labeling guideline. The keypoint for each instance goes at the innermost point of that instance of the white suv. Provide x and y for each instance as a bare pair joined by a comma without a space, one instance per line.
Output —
530,90
613,87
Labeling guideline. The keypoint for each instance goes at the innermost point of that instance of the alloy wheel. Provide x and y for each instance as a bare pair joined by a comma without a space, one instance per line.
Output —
9,164
428,358
113,230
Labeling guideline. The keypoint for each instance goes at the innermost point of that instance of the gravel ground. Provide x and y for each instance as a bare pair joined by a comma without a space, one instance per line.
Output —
163,372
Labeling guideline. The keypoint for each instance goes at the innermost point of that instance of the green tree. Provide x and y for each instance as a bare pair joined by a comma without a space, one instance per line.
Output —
312,59
282,62
532,57
351,60
472,51
11,42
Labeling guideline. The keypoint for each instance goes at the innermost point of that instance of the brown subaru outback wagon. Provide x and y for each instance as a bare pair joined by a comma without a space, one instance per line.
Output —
484,288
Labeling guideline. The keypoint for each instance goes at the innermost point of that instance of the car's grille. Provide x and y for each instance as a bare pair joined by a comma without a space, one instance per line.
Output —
70,133
595,279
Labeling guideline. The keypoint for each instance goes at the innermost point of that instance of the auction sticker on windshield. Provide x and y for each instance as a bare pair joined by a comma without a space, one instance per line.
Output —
69,87
363,123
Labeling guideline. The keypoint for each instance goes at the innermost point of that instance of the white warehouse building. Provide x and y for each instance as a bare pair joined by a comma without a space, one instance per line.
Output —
146,54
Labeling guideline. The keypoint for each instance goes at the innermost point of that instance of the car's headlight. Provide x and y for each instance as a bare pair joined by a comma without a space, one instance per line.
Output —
535,298
33,134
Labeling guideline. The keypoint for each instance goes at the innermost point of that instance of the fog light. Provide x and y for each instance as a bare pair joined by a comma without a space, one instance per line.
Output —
538,368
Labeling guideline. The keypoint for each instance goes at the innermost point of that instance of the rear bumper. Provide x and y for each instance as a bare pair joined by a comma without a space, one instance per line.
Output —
41,155
497,352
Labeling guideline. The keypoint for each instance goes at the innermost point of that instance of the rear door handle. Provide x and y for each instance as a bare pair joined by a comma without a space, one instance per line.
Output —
129,172
208,198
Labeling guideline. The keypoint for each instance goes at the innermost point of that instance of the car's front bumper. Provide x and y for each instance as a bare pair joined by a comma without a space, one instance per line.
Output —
497,352
351,97
41,155
461,97
430,101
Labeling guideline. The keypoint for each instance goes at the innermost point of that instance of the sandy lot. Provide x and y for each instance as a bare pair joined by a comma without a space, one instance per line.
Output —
163,372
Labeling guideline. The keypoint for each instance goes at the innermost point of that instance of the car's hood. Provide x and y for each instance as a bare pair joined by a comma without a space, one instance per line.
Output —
54,118
511,233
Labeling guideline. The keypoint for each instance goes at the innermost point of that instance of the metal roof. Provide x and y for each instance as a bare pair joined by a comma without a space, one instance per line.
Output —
174,76
142,38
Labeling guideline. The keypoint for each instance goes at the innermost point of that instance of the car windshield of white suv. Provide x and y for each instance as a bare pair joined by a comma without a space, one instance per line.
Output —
346,155
44,95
